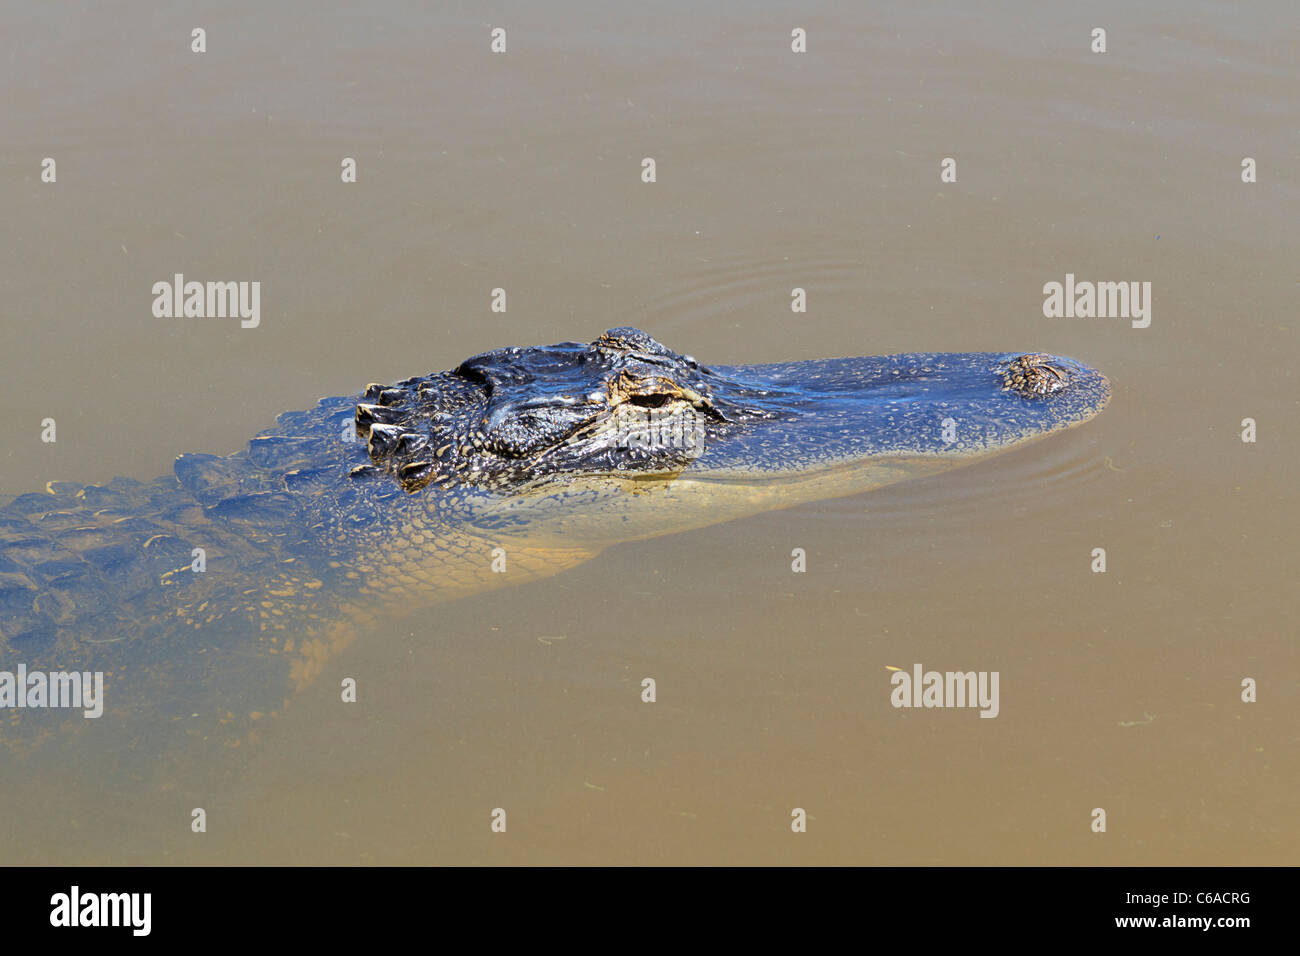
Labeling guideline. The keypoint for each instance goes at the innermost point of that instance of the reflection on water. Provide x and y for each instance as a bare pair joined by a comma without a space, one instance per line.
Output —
712,292
1119,690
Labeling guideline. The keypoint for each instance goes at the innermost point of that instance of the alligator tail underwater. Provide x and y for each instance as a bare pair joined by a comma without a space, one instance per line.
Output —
365,509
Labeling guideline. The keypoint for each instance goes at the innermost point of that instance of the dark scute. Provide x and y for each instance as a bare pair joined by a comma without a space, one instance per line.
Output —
271,509
416,474
97,496
309,422
112,556
18,604
55,605
32,635
126,486
64,490
168,548
476,369
368,415
633,340
62,565
13,583
410,442
11,525
33,503
78,539
71,578
272,451
383,439
309,478
521,434
211,479
31,549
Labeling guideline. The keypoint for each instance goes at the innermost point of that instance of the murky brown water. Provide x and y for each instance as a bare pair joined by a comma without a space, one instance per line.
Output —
1118,690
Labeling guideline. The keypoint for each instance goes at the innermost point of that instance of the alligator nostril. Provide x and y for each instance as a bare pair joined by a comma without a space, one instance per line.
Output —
1035,375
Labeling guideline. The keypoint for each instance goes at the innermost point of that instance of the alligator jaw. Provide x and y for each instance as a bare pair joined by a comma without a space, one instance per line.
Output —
625,438
626,406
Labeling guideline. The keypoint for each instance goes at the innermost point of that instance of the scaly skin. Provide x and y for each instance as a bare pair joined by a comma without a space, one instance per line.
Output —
368,508
102,579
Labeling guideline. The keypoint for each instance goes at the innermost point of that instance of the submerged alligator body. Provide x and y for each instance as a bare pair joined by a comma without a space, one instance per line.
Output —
211,595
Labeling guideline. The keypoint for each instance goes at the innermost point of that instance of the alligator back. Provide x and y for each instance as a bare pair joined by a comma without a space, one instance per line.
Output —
173,587
208,598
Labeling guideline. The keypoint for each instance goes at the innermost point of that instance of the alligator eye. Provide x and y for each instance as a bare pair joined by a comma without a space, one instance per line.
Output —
1035,375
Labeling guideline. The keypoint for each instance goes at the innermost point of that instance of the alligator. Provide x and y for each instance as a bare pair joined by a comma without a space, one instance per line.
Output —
217,592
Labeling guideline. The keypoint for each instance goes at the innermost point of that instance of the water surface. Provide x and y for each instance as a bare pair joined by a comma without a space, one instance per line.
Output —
1118,690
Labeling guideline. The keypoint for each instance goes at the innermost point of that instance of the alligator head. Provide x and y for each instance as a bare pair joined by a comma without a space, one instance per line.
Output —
581,423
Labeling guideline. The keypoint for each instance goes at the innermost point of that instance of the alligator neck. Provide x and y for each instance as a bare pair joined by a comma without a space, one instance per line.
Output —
171,587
